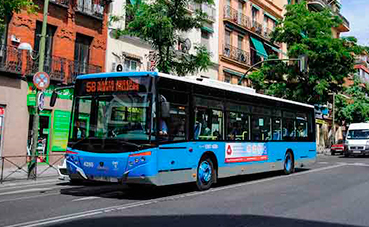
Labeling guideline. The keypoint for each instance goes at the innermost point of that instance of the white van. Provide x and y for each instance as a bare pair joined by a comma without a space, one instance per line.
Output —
357,139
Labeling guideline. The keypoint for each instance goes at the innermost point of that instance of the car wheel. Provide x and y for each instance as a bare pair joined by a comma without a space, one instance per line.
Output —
289,165
205,174
332,153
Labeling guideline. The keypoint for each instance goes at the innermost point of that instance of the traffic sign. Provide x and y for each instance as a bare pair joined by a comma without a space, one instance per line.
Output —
41,80
41,101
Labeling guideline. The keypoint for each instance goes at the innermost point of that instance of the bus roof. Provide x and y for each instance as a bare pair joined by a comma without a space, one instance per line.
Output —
195,80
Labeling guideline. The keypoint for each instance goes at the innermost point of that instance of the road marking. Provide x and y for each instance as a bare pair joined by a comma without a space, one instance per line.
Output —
86,198
36,183
153,201
322,162
358,164
26,190
28,197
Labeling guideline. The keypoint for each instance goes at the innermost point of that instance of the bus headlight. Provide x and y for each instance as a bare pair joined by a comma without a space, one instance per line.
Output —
137,160
143,159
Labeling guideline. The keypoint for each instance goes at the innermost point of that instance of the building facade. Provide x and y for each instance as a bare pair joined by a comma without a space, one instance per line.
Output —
244,35
129,53
75,44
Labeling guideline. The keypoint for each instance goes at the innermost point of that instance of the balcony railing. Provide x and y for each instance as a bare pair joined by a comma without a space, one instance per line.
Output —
237,17
60,69
54,66
267,32
93,8
79,68
64,3
345,21
205,8
236,54
10,59
257,27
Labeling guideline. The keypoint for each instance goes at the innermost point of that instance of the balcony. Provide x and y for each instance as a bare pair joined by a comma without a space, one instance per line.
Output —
10,59
63,3
61,69
54,66
345,26
205,8
236,54
237,17
77,68
94,8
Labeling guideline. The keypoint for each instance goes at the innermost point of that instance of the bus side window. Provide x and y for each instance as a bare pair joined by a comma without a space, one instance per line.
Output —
288,126
238,126
277,129
261,129
208,124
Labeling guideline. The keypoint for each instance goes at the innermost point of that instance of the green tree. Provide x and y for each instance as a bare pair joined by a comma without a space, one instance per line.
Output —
161,23
9,7
355,109
330,59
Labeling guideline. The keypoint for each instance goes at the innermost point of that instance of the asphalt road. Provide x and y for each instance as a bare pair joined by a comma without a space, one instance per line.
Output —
334,192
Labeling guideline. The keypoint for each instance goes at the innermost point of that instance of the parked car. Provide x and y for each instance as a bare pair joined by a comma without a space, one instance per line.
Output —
338,148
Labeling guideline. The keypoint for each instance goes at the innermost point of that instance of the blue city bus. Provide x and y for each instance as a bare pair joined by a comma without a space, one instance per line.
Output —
152,128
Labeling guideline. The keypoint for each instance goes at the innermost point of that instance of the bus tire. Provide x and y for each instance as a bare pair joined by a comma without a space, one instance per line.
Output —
205,174
289,163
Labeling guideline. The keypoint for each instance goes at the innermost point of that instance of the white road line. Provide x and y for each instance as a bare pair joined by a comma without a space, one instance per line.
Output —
28,197
39,183
86,198
153,201
26,190
322,162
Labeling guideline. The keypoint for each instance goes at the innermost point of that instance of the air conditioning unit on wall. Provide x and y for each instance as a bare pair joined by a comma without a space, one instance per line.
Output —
117,67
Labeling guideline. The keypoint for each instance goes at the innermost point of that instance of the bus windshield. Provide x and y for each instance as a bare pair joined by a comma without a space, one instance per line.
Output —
102,110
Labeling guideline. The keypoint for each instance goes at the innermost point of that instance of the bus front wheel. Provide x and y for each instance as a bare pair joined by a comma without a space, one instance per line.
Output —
289,164
205,174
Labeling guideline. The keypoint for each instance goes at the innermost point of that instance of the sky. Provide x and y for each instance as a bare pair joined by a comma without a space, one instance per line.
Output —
357,13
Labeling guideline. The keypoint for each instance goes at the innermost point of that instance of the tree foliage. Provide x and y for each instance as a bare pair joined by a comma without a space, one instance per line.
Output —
8,7
161,23
356,108
330,59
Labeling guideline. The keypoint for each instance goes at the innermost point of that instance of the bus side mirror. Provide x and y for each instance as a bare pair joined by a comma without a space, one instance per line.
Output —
165,109
53,98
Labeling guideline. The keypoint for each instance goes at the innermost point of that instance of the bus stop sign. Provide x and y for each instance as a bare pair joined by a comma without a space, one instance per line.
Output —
41,80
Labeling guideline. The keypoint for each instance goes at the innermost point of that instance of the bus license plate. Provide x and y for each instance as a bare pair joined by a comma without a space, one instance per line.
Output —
106,179
356,152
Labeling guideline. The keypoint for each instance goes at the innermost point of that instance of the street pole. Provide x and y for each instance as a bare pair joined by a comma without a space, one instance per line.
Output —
260,62
32,170
333,125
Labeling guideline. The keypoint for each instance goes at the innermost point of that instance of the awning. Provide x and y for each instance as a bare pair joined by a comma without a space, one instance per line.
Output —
207,29
270,16
256,7
260,50
233,72
275,49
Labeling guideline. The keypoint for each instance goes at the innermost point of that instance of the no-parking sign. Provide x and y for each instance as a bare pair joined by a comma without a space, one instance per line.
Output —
41,80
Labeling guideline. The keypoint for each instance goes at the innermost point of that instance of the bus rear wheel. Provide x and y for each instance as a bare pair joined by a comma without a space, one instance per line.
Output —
289,164
205,174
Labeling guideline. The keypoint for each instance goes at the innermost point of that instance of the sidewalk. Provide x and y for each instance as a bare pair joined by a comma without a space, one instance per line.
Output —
19,175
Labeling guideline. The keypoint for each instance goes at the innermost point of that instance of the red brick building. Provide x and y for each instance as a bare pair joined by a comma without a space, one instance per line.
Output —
75,44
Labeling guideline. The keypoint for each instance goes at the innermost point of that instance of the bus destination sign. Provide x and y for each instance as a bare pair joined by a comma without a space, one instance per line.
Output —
110,85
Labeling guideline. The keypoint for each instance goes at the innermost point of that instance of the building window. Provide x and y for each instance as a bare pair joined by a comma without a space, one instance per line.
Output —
2,123
82,53
254,14
205,39
131,64
227,78
91,7
240,41
50,32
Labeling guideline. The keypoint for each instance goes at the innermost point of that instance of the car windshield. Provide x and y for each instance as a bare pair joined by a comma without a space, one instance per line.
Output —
358,134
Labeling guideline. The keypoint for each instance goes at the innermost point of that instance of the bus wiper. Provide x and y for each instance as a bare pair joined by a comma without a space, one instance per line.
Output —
131,144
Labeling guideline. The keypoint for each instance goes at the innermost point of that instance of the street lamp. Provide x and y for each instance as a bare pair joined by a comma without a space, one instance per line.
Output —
333,107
